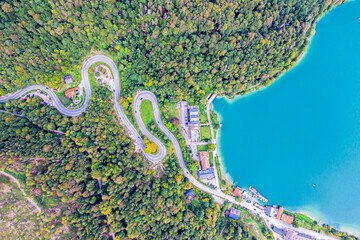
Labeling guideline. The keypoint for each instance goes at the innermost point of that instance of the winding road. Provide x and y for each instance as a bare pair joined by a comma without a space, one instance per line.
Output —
141,96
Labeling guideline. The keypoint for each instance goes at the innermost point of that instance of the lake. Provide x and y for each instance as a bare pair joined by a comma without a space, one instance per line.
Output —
298,141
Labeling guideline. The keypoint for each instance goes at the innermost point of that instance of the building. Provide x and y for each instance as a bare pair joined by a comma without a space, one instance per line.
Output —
292,235
71,92
68,79
206,174
271,211
190,194
204,158
194,115
279,231
234,213
280,212
237,192
286,218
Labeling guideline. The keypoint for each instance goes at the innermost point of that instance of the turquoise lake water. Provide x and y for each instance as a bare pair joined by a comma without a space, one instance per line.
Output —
298,141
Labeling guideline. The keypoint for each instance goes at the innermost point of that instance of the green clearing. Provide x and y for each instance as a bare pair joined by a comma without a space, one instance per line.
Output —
289,213
202,114
304,218
171,111
146,111
202,148
64,100
205,133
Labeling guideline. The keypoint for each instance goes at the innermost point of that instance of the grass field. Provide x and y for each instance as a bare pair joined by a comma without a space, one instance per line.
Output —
171,111
202,114
146,111
202,148
205,133
304,218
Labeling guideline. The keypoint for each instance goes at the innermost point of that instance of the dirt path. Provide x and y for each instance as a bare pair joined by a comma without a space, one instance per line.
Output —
23,192
255,228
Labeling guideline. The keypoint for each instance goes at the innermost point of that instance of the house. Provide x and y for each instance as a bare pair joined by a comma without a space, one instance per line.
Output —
237,192
71,92
292,235
206,174
286,218
280,212
271,211
68,79
280,215
190,194
234,213
204,157
279,231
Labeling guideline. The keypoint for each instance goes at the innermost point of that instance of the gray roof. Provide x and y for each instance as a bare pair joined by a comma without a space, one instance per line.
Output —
207,173
268,211
278,231
233,216
68,79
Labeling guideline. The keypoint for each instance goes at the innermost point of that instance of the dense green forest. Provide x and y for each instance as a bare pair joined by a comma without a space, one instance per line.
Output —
179,49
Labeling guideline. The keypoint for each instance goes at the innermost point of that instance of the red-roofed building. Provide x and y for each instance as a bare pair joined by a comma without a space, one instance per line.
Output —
204,157
288,219
237,192
280,212
71,92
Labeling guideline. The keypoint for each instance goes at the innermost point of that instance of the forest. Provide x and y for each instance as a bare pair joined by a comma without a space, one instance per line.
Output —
181,50
86,175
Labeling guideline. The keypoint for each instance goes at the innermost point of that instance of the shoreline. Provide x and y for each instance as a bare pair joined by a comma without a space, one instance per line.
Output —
319,216
226,176
313,214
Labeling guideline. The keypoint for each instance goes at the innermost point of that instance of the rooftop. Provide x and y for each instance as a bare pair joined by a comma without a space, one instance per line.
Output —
71,92
237,191
281,210
234,213
206,174
189,193
278,231
271,211
204,157
288,219
68,79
